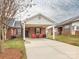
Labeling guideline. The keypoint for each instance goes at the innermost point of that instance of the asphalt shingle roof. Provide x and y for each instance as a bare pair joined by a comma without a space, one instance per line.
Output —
71,20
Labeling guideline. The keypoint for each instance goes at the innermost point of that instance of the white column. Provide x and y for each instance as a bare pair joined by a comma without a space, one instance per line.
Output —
23,31
75,28
53,32
46,32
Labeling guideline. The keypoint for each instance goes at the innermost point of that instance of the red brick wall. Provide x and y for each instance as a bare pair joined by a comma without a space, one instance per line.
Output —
43,30
31,31
77,33
8,34
11,32
66,32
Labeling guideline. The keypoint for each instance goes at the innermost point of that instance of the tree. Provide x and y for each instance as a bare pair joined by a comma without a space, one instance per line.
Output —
8,9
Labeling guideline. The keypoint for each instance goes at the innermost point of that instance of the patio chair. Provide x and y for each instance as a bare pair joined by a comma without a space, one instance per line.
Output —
37,36
33,36
44,35
41,35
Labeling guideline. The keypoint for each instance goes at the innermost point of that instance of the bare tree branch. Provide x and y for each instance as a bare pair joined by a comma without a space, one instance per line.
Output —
8,9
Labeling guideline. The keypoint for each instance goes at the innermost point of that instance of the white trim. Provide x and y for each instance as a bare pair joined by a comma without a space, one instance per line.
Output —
46,32
53,32
23,25
49,27
73,30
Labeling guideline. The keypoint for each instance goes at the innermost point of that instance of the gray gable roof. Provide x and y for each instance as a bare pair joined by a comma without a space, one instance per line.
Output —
40,14
17,24
69,21
13,23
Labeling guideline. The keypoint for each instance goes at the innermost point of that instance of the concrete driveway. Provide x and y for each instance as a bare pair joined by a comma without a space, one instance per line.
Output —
50,49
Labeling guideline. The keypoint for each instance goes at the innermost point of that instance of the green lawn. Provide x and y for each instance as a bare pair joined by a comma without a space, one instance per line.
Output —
70,39
17,43
74,40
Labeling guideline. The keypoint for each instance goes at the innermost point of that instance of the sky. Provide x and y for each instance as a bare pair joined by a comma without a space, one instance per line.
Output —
59,10
63,9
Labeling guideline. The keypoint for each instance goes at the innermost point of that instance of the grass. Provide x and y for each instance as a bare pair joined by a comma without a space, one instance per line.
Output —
17,43
70,39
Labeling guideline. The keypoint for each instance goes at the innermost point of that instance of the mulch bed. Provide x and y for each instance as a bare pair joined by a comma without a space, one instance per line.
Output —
11,54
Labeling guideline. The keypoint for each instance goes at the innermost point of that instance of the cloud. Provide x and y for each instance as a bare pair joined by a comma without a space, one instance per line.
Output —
59,9
62,9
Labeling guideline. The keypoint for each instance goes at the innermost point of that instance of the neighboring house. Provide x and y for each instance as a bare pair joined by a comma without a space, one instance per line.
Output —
69,27
34,25
14,28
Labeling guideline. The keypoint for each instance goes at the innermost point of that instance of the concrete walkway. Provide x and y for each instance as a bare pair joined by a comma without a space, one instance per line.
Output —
50,49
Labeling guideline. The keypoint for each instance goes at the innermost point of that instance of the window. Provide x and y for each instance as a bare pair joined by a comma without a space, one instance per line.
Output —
38,31
18,31
78,28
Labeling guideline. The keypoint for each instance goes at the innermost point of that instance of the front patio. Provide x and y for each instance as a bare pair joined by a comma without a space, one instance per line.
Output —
35,31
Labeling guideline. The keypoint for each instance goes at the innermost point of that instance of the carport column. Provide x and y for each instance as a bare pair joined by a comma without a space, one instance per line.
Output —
75,28
46,32
53,32
24,31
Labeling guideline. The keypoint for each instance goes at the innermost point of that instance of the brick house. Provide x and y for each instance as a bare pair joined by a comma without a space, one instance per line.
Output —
34,26
69,27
